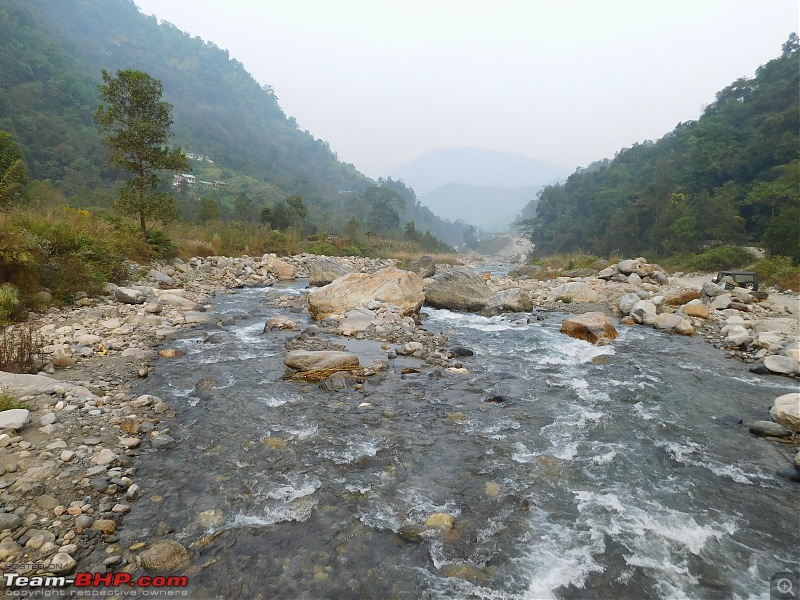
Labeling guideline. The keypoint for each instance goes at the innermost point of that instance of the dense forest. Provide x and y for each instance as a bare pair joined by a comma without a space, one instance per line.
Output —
251,156
731,177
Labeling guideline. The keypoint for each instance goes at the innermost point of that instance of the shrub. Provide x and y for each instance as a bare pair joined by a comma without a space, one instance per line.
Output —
9,402
9,303
778,270
718,258
160,244
20,350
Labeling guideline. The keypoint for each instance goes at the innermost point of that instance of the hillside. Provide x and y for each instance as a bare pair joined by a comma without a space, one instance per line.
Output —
233,129
729,177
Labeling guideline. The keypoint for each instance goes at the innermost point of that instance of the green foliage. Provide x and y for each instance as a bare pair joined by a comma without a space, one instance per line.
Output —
9,303
66,251
719,258
9,402
135,124
160,244
778,270
13,173
723,179
783,234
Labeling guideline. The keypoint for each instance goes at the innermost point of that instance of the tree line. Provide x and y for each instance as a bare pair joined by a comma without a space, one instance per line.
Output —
731,177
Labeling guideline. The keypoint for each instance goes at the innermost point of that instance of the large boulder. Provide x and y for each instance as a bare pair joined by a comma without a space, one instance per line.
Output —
574,291
783,365
591,327
402,289
458,289
512,300
695,308
129,296
424,266
627,302
323,270
644,312
283,270
15,418
673,322
306,360
786,411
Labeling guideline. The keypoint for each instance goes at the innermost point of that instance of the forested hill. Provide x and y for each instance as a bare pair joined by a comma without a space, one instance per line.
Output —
51,56
54,51
732,176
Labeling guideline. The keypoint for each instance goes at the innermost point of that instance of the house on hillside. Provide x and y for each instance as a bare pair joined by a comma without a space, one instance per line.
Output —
187,177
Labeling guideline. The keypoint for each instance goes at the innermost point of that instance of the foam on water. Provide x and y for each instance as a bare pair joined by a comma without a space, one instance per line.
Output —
557,556
296,486
296,511
446,318
694,454
356,449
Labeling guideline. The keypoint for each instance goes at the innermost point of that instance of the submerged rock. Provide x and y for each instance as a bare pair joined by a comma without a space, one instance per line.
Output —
163,556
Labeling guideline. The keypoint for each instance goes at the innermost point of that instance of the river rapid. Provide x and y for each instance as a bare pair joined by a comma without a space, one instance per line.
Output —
618,471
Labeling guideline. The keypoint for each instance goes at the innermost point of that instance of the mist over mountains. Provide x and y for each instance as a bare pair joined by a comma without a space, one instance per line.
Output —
484,187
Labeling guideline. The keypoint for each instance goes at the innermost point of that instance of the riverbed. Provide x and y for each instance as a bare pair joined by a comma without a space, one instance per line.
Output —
567,470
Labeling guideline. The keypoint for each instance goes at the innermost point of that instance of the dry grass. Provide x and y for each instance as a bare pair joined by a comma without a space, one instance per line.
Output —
20,349
440,258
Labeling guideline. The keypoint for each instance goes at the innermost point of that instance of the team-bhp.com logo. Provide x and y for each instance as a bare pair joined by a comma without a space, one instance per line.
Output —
89,584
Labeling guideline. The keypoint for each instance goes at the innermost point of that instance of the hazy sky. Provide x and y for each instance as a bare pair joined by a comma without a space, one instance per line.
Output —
566,81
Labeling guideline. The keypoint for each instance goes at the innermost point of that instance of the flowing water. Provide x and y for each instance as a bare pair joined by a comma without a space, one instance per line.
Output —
618,471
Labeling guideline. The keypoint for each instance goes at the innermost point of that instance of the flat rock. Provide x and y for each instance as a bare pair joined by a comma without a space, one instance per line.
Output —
775,363
574,291
769,428
306,360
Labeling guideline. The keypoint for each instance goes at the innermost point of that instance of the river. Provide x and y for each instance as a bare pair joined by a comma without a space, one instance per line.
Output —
619,471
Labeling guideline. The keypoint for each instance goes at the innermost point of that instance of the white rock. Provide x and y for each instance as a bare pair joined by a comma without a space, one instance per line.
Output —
16,418
786,411
721,302
781,364
104,458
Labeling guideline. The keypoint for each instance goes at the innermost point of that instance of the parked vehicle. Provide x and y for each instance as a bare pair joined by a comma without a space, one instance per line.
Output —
732,279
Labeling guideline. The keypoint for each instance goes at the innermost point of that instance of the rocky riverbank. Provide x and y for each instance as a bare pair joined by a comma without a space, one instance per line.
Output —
68,464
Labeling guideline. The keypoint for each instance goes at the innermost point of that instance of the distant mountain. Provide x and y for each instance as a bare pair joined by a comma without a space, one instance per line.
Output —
470,203
476,167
